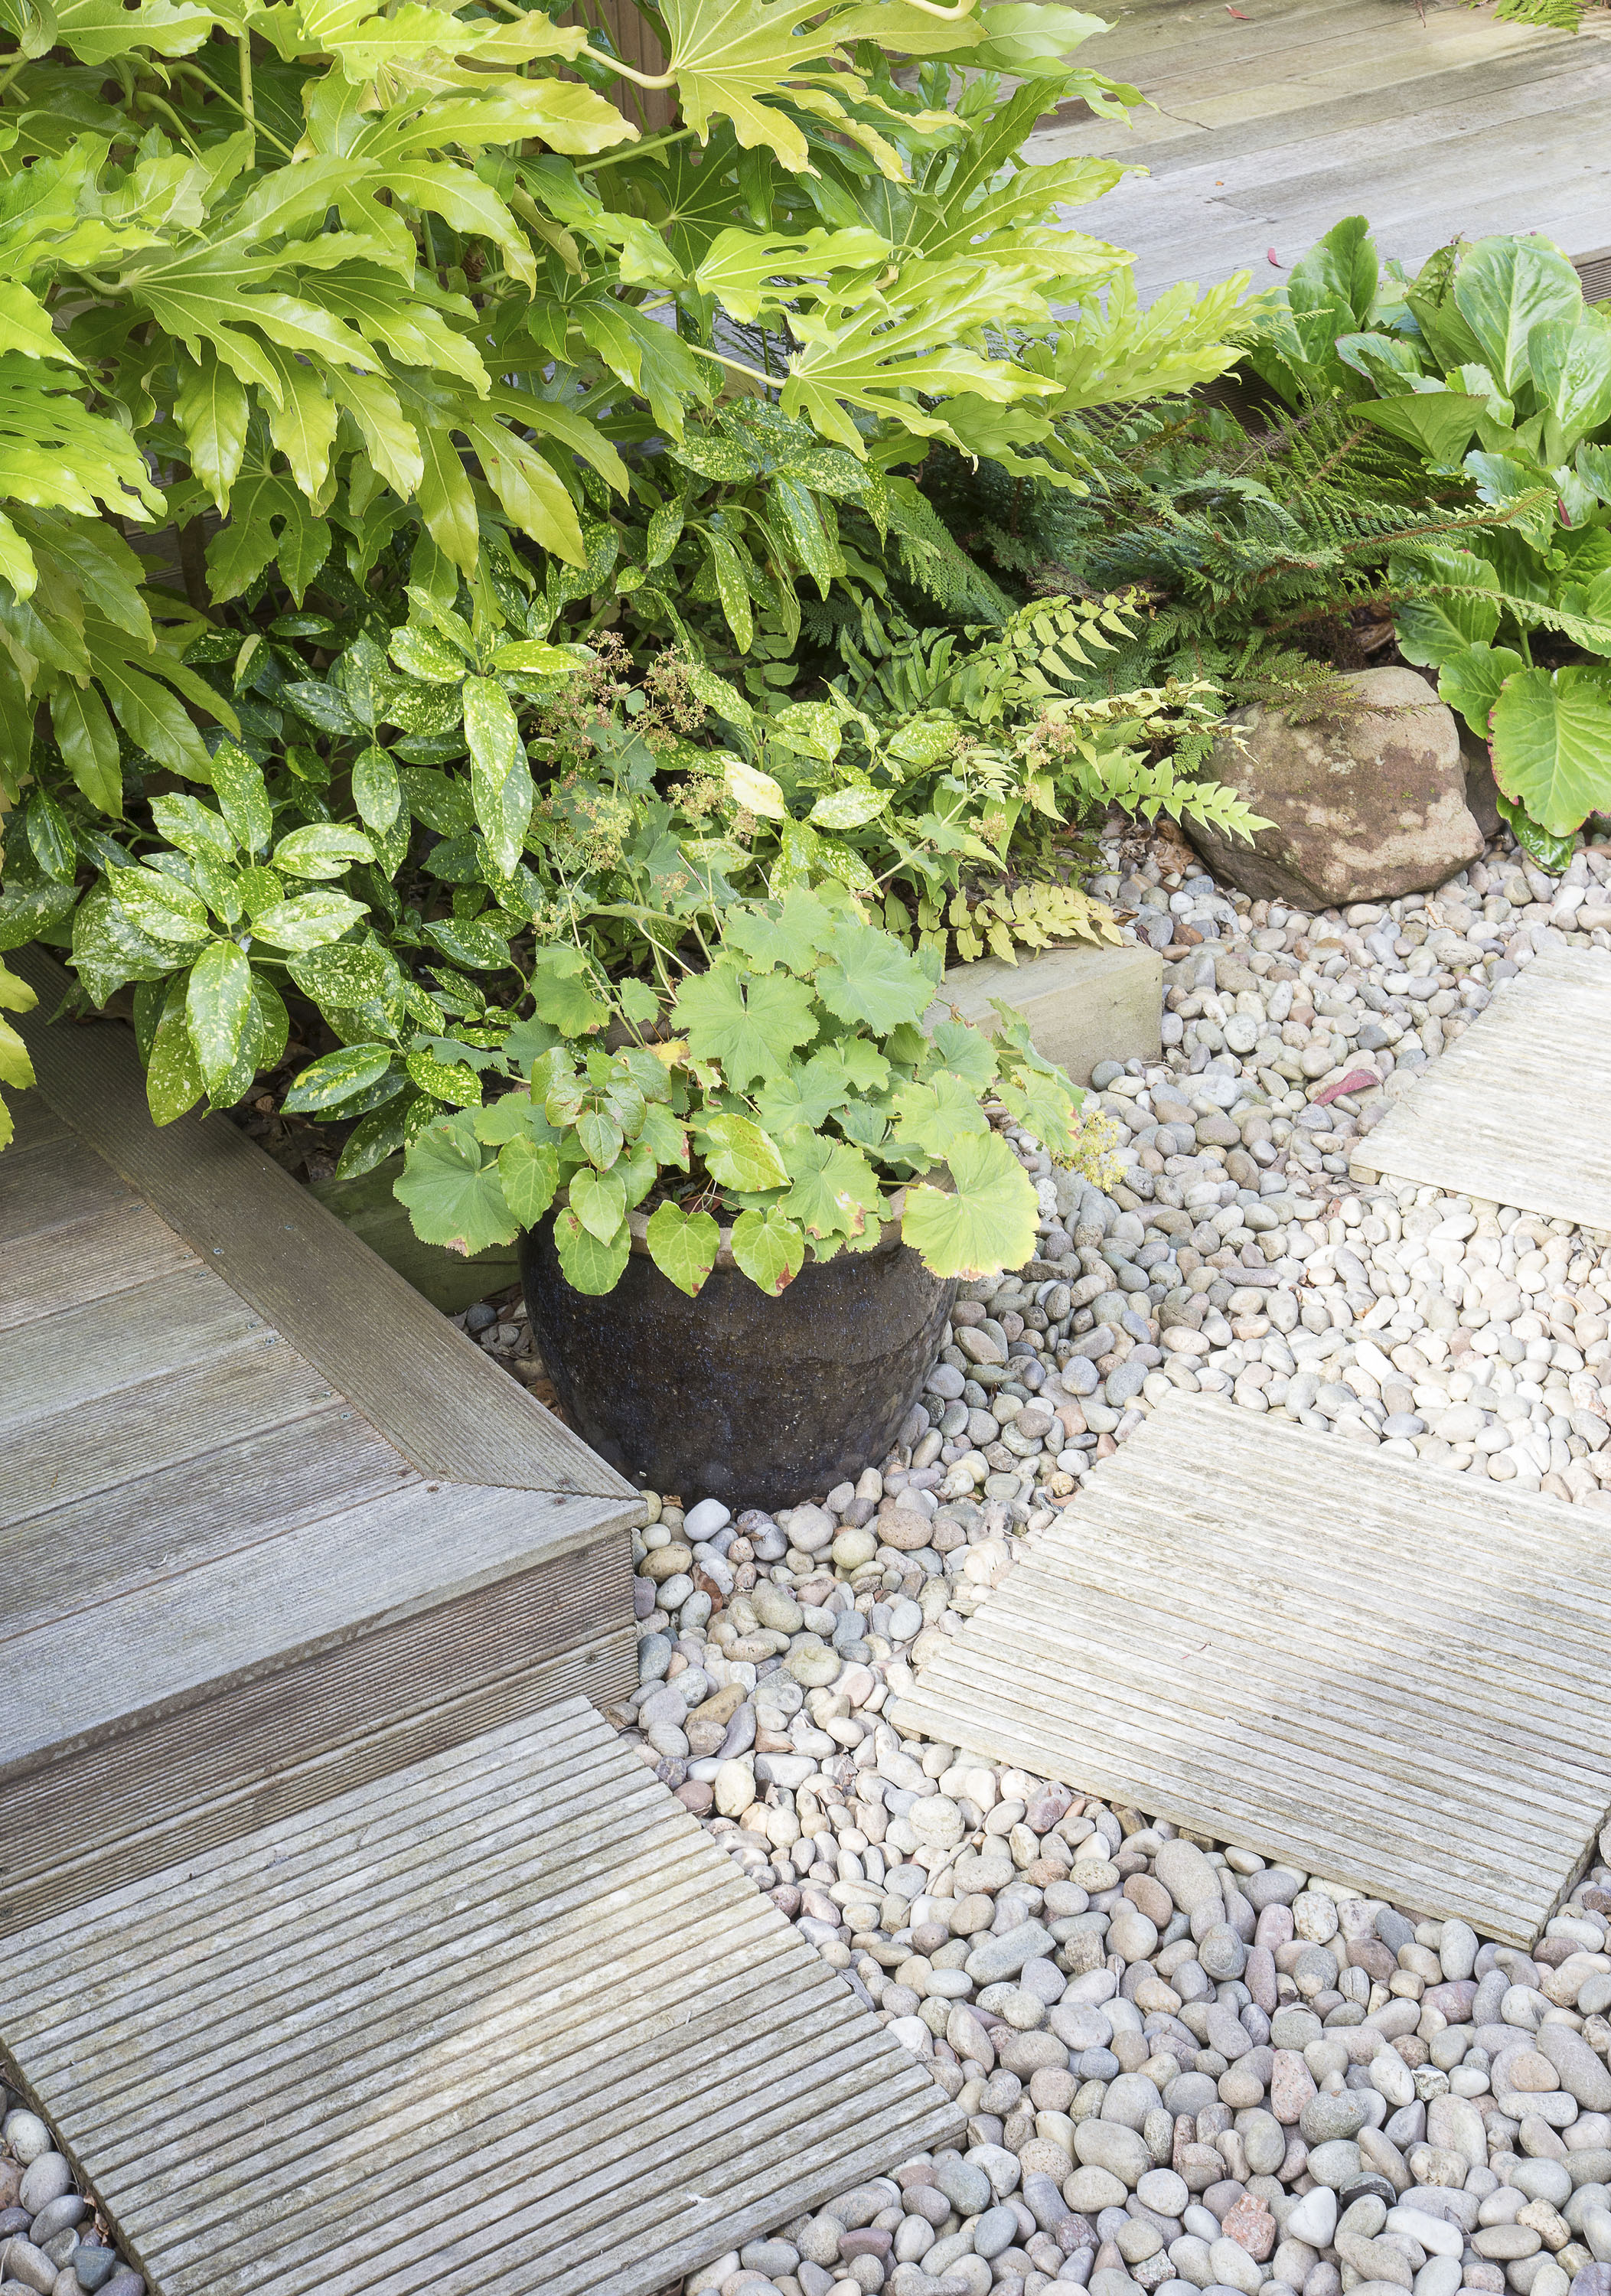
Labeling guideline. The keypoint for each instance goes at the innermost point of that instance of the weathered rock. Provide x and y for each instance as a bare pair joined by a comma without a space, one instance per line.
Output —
1366,803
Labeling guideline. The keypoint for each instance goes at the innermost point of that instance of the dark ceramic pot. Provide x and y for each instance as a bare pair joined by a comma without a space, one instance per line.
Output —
736,1395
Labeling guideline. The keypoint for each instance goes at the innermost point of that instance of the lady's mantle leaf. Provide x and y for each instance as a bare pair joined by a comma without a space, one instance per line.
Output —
986,1225
753,1027
452,1197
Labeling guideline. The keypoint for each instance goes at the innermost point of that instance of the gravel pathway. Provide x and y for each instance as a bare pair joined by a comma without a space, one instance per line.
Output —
1182,2068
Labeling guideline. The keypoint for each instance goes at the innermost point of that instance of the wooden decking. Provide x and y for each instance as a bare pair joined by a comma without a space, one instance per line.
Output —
1276,117
268,1524
507,2021
1475,1120
1377,1673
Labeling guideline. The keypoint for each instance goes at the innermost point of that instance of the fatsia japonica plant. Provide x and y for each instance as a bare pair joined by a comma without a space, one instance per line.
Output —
362,366
1490,366
786,1088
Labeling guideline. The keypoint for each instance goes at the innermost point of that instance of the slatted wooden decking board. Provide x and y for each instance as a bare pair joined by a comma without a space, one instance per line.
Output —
1518,1109
507,2019
268,1524
1269,122
1377,1673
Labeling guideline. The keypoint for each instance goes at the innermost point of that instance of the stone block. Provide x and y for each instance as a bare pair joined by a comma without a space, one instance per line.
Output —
1083,1004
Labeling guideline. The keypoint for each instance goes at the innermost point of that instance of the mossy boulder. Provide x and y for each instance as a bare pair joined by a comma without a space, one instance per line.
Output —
1367,800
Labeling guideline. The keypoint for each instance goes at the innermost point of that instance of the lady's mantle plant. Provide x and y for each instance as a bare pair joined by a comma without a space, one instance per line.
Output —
787,1087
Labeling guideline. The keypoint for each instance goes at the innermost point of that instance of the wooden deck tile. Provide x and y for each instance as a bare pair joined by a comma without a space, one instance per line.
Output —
1518,1109
270,1525
506,2020
1275,119
1362,1667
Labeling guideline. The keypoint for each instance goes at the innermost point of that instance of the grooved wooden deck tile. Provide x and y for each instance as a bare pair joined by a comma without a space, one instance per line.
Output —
1519,1109
507,2018
269,1526
1354,1665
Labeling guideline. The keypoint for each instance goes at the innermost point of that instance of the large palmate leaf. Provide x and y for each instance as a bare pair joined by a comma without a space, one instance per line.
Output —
880,357
1552,733
988,1224
752,1026
452,1197
739,60
869,978
54,454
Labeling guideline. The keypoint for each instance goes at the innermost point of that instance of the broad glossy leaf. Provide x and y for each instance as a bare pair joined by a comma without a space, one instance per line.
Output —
453,1197
376,1137
500,779
753,1027
339,1076
174,1081
364,983
1504,288
324,850
1433,630
50,836
588,1264
1471,683
988,1224
755,791
376,791
1442,423
849,808
1551,735
165,911
454,1081
308,921
769,1248
88,742
242,795
218,1007
424,653
682,1246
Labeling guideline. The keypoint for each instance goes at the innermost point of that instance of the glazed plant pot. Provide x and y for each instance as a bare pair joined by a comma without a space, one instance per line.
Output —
737,1395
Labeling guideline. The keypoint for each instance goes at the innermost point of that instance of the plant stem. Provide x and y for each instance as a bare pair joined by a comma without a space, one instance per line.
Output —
640,151
247,112
258,129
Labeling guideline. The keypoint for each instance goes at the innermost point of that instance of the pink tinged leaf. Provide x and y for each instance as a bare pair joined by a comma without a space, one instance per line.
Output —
1356,1080
1272,257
